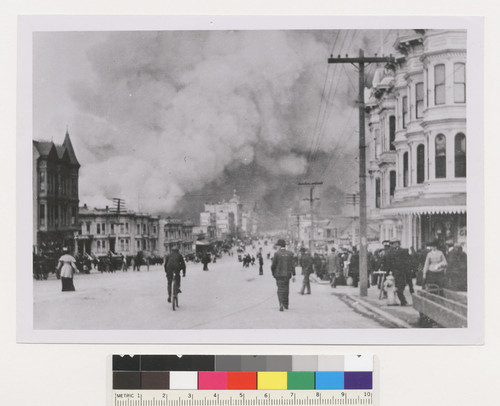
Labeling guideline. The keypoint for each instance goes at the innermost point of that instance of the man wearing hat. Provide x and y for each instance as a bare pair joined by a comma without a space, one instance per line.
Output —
400,265
283,268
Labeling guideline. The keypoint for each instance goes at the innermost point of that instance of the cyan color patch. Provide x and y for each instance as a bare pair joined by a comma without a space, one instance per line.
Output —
329,380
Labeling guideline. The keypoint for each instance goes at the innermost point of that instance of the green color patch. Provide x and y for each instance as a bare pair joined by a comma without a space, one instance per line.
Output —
300,380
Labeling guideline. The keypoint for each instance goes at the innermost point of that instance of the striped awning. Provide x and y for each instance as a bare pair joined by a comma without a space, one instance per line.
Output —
453,204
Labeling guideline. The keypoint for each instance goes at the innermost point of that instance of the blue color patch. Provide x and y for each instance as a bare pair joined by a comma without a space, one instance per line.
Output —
329,380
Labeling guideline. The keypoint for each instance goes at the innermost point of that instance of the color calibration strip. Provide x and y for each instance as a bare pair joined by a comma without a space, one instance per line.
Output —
232,372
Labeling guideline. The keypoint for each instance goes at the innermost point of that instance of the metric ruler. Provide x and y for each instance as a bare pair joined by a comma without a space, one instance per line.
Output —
241,398
244,380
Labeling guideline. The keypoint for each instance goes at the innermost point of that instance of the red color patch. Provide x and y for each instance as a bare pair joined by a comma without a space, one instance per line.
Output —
242,380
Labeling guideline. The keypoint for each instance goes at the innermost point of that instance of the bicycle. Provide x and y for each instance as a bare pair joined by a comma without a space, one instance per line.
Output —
175,296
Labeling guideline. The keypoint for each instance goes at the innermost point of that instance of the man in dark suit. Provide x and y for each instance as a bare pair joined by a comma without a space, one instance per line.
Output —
283,268
174,264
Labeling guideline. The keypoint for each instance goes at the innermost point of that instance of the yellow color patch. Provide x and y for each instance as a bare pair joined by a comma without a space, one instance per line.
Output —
271,380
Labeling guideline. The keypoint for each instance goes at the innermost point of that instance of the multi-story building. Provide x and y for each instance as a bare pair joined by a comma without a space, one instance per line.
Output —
417,150
227,217
55,195
106,230
175,233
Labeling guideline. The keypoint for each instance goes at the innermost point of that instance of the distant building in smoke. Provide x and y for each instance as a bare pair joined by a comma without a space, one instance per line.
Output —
416,160
226,217
55,195
338,231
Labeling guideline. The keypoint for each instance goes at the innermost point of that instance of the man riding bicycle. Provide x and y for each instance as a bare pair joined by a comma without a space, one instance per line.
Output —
174,264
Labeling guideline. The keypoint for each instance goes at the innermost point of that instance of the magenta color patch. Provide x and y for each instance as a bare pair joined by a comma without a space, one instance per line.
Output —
212,380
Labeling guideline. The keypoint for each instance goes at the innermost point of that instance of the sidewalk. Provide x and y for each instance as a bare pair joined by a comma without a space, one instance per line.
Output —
400,316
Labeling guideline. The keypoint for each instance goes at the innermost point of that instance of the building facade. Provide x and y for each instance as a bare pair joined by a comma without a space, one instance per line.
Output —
176,233
226,217
416,155
105,230
55,195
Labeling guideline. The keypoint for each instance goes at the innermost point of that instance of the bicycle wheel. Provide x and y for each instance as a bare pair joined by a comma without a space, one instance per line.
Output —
174,294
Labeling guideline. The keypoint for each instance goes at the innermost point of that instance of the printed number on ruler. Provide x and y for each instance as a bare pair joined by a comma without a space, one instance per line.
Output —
241,398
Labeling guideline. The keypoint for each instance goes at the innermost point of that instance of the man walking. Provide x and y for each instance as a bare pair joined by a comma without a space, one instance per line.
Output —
261,263
174,264
398,262
333,267
306,262
283,269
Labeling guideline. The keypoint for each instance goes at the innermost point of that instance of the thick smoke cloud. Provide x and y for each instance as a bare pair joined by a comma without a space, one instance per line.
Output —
168,115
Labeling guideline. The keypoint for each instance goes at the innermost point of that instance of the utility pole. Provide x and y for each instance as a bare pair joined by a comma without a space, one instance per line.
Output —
298,228
311,200
360,62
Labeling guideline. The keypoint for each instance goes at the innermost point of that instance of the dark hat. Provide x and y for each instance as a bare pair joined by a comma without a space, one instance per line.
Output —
281,243
395,242
386,242
432,244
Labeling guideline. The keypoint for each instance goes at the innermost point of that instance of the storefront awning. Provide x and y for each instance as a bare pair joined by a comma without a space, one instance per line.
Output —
453,204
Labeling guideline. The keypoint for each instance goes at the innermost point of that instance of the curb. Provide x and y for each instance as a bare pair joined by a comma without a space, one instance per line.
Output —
389,317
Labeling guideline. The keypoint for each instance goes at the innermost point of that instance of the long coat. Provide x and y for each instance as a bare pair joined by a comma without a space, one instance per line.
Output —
306,262
283,265
174,263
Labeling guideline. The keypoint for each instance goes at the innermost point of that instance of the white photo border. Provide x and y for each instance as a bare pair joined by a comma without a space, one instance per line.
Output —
472,335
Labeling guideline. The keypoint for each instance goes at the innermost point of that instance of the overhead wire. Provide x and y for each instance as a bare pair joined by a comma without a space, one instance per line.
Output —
327,111
323,130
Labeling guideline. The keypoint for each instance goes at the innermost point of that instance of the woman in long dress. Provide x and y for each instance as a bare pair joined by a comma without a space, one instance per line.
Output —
67,267
435,266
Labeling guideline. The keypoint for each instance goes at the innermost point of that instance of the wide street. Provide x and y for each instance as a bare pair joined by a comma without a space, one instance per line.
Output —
228,296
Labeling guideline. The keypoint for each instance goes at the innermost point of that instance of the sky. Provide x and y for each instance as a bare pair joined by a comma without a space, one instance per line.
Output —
168,120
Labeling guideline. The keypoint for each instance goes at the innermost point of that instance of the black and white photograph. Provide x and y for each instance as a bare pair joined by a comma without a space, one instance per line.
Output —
243,182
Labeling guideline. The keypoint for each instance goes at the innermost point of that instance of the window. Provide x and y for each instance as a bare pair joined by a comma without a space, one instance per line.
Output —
138,244
440,145
459,82
41,215
419,100
103,244
98,228
420,163
428,89
126,227
154,230
138,228
104,228
377,193
42,181
122,245
405,169
88,227
460,156
392,133
144,229
122,228
98,245
405,110
112,228
439,85
73,215
392,183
